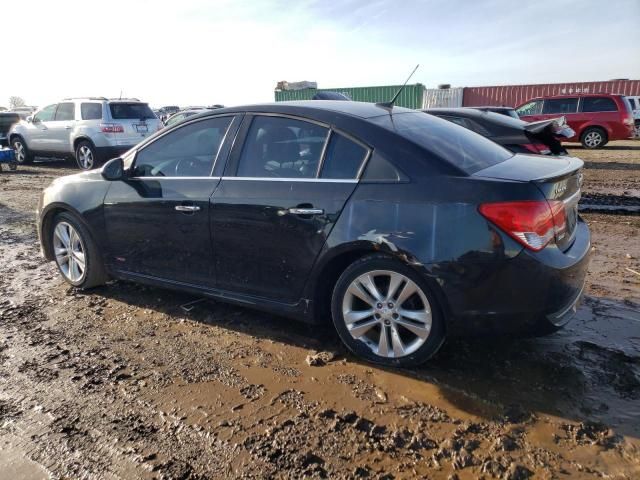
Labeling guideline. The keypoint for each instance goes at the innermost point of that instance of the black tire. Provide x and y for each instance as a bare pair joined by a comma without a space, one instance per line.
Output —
94,271
86,155
17,143
376,262
594,137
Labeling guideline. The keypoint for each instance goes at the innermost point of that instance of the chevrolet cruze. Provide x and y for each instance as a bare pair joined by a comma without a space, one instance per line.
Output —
399,228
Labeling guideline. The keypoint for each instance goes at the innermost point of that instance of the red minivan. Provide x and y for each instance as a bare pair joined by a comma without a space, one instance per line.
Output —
596,118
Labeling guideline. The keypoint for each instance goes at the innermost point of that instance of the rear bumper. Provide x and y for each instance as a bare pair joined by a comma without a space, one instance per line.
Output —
525,293
107,153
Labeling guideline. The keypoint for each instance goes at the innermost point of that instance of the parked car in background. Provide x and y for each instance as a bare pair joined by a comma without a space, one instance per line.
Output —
331,96
634,103
399,227
176,117
516,135
596,118
24,112
508,111
90,130
7,120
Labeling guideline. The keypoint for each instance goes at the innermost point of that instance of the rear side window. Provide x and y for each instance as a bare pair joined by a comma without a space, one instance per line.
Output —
461,147
632,102
130,111
598,104
279,147
531,108
65,111
561,105
91,111
343,159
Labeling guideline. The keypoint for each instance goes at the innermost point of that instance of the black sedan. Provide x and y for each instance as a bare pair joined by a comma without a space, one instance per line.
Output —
514,134
398,227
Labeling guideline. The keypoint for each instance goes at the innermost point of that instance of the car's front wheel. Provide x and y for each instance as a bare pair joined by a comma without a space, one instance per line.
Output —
86,155
22,153
76,253
384,312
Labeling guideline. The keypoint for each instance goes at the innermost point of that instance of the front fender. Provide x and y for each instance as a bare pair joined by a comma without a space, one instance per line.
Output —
83,196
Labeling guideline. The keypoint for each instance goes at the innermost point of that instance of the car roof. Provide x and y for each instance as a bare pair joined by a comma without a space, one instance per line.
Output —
356,109
573,95
491,107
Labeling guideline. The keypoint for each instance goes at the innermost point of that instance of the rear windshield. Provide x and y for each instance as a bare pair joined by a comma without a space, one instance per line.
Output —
463,148
122,111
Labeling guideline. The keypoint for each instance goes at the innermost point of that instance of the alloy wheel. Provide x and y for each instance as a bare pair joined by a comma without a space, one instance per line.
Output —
593,139
19,150
69,251
388,312
85,157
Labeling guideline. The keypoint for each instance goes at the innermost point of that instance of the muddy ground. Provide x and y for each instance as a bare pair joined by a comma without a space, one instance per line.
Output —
121,383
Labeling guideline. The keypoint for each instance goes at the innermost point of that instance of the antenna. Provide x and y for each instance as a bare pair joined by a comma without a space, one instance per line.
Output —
389,105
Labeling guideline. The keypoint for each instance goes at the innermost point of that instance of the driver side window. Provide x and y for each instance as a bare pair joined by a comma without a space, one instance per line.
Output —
46,114
531,108
189,151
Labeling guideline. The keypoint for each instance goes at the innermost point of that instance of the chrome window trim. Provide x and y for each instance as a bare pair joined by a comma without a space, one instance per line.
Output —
306,180
174,178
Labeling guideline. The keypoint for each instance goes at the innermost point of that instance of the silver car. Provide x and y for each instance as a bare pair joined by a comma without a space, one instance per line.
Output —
90,130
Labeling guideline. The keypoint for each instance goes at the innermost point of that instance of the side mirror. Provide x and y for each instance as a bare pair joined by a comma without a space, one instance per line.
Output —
29,118
113,169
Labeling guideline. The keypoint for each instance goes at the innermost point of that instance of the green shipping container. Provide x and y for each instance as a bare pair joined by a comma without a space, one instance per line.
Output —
411,96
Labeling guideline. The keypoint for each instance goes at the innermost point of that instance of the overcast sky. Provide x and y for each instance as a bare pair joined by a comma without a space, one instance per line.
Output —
190,52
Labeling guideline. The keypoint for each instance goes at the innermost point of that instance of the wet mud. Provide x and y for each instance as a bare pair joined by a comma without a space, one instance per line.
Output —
122,383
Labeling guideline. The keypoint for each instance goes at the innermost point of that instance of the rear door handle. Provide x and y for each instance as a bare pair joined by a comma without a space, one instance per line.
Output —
68,127
306,211
187,208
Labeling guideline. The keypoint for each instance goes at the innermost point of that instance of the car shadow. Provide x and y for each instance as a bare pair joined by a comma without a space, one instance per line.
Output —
589,371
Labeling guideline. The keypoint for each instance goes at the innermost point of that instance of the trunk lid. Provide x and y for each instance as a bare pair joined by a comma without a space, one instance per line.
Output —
557,178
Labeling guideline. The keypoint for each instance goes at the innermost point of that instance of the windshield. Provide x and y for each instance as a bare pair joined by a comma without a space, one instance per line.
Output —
463,148
122,111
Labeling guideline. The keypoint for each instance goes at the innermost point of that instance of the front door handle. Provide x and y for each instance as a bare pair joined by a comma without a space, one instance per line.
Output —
187,208
306,211
68,127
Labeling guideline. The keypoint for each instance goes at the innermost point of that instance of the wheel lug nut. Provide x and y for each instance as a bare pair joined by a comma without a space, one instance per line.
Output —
379,305
377,315
390,305
395,315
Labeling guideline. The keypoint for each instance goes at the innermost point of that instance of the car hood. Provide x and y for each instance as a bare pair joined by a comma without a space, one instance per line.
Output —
90,176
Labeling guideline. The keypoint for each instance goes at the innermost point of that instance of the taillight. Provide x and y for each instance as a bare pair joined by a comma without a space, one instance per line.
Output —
538,148
531,223
111,128
628,120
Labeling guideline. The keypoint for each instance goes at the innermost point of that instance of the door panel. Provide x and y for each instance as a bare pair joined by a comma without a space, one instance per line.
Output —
151,233
261,247
157,220
58,138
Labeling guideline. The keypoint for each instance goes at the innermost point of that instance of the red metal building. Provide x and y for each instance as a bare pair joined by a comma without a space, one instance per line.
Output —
514,95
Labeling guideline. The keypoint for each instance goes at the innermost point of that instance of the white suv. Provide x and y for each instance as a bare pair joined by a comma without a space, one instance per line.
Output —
90,130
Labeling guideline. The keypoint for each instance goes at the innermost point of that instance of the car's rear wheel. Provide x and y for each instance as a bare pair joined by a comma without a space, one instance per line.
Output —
22,153
593,137
76,254
86,156
384,312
